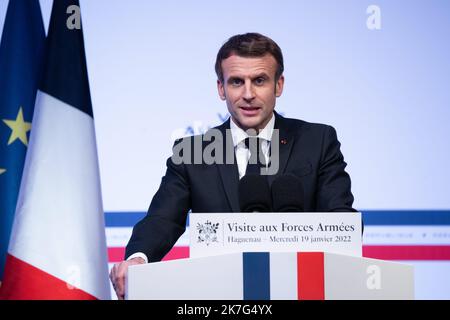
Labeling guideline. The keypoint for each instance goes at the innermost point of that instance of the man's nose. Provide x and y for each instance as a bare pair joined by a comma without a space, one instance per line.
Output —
249,92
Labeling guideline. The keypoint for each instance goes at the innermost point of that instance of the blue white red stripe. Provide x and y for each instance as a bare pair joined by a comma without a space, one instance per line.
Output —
388,235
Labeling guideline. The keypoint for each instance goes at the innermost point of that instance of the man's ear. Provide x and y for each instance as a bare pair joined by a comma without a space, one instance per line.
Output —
221,90
279,86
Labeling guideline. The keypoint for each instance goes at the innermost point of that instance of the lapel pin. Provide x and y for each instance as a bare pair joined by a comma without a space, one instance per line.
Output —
283,141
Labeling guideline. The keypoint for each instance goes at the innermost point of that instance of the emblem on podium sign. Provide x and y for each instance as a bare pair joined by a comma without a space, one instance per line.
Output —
207,232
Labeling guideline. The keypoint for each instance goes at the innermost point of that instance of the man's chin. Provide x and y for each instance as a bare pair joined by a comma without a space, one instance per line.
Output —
250,123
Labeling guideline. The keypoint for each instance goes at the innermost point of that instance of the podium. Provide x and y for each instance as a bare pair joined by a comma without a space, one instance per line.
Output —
271,276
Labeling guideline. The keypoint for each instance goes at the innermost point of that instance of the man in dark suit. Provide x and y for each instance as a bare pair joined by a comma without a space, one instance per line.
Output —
249,68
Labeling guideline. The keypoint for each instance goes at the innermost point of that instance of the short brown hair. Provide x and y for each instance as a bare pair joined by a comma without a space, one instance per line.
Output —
249,45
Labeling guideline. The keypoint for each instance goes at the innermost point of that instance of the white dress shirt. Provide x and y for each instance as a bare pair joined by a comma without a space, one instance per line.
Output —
242,152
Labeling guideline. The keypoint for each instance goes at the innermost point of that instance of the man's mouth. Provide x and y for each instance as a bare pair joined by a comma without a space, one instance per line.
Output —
250,110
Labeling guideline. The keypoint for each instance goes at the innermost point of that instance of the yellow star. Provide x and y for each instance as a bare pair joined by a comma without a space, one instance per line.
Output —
19,128
2,170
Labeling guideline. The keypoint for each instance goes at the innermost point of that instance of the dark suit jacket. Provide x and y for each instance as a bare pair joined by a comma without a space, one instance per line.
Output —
310,151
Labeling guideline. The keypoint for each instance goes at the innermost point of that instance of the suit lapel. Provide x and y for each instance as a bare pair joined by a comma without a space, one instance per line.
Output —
285,142
229,172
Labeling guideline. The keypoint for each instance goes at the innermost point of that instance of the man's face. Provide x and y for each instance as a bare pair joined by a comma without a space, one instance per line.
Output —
250,90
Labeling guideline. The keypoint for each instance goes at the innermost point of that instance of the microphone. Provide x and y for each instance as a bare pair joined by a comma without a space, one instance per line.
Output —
287,194
254,194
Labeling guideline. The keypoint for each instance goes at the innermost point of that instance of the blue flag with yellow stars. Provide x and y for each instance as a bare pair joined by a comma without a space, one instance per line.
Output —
21,49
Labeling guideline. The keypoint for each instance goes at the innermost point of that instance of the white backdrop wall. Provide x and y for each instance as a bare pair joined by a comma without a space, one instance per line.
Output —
386,91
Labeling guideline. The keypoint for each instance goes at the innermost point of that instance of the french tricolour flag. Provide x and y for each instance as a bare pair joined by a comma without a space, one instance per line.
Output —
57,248
281,276
237,276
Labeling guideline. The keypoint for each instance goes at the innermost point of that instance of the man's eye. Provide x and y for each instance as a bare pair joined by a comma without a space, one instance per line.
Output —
260,81
236,82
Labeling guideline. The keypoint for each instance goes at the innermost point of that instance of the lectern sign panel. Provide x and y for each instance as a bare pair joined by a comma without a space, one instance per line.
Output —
220,233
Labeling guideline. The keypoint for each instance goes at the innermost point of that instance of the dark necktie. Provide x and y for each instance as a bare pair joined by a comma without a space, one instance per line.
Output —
257,159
